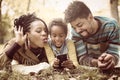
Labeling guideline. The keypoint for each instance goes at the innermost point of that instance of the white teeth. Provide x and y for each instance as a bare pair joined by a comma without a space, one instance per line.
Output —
58,44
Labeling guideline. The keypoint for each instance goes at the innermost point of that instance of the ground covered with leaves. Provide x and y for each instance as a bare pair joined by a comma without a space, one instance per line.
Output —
80,73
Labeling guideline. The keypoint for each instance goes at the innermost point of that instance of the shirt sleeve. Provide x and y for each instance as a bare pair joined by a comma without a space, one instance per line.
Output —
10,53
4,58
79,44
114,42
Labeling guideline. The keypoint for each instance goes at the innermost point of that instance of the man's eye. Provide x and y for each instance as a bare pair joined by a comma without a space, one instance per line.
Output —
79,25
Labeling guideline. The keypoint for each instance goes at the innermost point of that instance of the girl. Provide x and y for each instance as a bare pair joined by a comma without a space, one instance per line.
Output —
60,45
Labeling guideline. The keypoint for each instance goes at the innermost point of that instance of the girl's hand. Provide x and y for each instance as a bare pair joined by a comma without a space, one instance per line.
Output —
68,64
56,63
20,38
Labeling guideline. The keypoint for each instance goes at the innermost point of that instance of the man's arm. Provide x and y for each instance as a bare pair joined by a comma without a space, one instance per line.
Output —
87,60
83,57
114,43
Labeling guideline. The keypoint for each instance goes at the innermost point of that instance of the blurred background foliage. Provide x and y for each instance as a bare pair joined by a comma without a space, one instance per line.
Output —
47,10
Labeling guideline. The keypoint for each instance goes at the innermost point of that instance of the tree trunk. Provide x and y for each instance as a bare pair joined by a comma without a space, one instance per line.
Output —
28,7
114,9
1,37
0,13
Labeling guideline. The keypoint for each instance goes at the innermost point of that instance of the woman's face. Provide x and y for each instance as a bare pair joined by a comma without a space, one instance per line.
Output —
38,34
57,35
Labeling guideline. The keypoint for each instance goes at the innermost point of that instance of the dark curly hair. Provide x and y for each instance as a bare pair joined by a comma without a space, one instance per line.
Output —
25,21
76,9
58,22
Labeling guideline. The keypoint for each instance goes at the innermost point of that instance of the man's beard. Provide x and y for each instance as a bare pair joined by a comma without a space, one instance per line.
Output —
85,37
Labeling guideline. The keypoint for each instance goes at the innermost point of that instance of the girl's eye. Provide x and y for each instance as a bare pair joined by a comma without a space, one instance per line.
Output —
61,35
54,35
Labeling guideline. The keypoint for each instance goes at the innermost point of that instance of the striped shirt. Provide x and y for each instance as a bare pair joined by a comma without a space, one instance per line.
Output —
108,34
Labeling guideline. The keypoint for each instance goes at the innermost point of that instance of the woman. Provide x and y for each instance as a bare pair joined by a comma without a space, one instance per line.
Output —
27,48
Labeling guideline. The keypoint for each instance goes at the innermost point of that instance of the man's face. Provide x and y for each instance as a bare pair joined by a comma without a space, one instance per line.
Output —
83,27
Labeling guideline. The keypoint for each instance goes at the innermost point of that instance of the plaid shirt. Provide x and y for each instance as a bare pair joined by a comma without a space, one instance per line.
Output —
107,33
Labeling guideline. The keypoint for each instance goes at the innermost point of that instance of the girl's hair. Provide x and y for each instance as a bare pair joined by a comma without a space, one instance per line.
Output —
58,22
25,21
77,9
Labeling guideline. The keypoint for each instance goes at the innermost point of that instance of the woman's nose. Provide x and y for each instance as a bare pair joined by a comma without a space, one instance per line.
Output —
44,33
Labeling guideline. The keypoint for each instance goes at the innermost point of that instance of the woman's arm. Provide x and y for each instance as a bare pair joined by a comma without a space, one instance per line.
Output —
27,69
12,47
7,53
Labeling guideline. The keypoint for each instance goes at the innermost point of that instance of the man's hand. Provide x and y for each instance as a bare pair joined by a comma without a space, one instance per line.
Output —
106,61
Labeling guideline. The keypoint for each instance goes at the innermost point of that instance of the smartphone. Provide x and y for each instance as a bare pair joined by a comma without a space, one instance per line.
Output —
62,57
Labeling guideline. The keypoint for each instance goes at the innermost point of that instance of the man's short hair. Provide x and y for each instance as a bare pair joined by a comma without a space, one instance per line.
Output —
76,9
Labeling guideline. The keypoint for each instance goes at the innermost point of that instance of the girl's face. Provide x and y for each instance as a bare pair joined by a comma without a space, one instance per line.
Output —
57,35
38,34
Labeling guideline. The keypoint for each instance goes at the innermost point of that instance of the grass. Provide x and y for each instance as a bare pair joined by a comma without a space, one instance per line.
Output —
80,73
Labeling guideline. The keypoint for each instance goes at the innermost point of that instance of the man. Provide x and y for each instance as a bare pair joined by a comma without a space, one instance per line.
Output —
96,38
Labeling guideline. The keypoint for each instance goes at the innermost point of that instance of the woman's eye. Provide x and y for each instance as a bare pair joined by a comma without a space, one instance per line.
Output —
46,31
38,31
61,36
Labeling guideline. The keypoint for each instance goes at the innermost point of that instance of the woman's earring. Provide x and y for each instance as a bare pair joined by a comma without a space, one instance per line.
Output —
28,43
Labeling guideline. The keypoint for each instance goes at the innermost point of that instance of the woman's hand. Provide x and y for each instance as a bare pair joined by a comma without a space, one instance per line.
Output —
20,38
68,64
106,61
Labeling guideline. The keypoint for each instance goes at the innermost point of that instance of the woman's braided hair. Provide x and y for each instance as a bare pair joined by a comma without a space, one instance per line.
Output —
25,21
